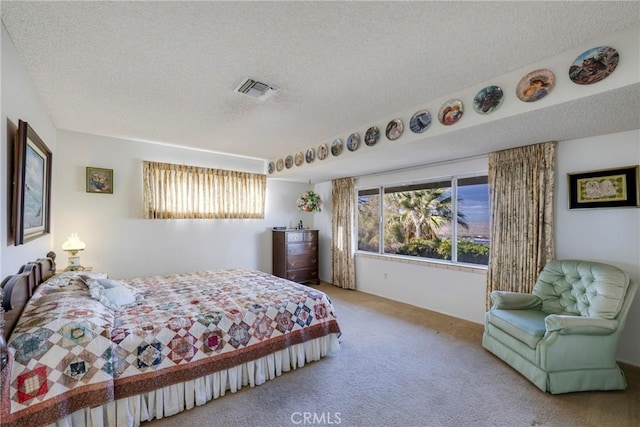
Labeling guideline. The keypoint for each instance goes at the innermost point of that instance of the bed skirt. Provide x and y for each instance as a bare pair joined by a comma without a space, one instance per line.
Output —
170,400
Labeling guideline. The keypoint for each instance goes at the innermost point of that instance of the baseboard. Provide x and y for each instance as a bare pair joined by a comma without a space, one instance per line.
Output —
628,365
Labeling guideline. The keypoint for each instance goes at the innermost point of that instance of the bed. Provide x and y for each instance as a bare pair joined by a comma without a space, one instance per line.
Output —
85,350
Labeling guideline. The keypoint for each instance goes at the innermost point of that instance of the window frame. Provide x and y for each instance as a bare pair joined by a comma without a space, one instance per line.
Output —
414,184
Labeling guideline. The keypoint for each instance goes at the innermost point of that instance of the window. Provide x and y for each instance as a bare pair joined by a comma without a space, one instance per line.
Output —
368,220
418,220
180,191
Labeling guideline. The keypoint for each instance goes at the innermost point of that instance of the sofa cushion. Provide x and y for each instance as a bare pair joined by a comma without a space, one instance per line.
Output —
524,325
583,288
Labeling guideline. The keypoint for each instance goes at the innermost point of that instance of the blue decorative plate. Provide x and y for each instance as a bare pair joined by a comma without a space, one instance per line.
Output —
353,142
420,121
488,99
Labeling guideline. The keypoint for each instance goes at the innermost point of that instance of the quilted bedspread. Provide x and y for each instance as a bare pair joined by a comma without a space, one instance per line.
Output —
70,351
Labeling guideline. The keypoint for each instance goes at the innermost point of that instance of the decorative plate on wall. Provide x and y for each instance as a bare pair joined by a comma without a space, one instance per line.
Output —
372,136
394,129
323,151
535,85
272,167
353,142
299,158
336,147
450,112
594,65
488,99
288,161
310,156
420,121
280,165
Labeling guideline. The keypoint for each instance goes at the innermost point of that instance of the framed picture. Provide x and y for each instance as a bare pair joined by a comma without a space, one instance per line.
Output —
99,180
604,188
31,186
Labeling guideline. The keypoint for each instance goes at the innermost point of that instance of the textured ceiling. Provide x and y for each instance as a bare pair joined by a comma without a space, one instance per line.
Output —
165,71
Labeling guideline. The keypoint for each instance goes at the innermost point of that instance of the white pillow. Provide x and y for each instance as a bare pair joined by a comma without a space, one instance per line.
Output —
117,298
113,294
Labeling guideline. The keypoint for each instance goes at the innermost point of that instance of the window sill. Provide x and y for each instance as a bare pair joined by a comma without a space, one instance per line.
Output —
446,265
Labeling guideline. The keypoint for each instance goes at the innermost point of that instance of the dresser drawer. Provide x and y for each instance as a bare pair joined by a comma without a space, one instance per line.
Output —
302,261
302,248
301,236
303,275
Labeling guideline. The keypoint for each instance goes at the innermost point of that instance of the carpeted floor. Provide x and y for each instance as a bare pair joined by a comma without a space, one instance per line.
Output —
404,366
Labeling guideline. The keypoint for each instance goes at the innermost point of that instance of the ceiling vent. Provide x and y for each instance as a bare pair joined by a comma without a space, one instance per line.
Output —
255,89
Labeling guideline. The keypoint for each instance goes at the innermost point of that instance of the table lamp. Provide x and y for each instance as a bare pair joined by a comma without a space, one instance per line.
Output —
72,246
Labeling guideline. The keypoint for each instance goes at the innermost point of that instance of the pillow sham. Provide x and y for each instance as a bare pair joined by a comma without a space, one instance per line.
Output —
112,293
67,277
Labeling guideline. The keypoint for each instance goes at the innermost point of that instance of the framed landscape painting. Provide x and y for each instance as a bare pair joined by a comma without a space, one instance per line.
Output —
606,188
31,186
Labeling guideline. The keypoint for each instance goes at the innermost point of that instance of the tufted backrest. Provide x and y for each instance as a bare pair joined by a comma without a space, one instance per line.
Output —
583,288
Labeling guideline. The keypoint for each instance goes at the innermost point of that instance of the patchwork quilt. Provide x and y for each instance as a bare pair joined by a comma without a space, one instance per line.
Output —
70,351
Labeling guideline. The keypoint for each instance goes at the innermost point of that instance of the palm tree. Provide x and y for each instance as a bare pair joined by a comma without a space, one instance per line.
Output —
423,212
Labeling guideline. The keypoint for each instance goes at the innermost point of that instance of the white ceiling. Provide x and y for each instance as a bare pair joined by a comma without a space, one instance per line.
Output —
165,72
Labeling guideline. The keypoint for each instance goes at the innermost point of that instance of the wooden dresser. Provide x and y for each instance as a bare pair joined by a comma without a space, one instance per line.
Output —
295,255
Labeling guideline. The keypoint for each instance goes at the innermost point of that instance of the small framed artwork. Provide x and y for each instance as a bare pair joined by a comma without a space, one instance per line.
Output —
606,188
31,186
99,180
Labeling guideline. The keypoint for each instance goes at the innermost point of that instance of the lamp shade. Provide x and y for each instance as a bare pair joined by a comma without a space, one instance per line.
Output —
73,243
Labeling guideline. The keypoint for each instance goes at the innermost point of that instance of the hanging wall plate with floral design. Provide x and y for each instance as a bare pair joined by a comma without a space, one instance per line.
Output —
299,160
272,167
288,161
279,165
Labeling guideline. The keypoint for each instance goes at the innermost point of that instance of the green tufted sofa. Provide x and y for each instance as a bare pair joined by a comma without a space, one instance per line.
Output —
563,336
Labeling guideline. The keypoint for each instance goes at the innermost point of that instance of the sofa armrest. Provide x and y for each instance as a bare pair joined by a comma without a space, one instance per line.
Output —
567,324
515,301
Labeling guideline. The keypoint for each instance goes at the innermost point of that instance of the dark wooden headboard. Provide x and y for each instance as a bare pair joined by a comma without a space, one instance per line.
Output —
16,291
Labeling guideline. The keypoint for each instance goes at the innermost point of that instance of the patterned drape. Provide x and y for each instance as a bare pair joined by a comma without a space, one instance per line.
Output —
521,184
181,191
344,207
